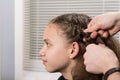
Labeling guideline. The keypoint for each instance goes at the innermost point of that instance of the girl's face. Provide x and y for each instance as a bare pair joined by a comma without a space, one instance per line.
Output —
56,50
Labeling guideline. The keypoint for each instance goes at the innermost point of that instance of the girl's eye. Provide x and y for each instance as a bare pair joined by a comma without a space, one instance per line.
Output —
47,44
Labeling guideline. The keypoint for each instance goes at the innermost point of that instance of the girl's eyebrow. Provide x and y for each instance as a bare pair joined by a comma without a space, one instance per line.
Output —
46,40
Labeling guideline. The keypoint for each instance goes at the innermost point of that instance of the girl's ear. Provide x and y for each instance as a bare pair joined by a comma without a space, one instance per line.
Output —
75,50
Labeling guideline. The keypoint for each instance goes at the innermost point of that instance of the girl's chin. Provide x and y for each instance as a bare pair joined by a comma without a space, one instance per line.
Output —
51,70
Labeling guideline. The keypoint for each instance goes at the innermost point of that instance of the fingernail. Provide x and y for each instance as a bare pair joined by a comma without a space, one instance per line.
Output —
86,30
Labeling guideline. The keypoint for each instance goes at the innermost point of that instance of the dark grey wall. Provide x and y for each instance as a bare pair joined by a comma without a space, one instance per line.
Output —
6,39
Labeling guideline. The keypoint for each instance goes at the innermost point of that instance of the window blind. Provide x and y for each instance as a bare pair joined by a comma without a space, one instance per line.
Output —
37,14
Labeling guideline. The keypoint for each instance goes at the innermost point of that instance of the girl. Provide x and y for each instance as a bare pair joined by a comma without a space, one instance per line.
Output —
64,47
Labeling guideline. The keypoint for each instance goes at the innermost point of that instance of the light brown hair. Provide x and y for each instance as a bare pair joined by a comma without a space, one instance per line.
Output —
72,26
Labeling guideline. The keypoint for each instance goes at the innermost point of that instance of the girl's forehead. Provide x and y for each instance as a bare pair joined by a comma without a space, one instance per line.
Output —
52,30
55,35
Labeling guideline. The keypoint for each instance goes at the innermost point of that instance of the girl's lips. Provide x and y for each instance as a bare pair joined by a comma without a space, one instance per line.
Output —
44,62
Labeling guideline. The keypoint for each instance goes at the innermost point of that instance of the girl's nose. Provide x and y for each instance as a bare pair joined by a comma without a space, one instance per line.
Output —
42,52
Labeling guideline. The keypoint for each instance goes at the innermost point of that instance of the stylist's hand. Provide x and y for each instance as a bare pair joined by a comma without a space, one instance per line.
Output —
105,25
99,58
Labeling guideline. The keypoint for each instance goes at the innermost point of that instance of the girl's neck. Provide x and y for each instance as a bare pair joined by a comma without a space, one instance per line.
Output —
67,76
67,73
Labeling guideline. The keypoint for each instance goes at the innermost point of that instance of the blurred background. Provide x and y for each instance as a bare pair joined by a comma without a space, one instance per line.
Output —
22,23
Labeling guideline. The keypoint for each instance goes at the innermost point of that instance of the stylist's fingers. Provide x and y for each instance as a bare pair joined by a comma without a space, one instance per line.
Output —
105,34
114,30
94,25
94,34
102,33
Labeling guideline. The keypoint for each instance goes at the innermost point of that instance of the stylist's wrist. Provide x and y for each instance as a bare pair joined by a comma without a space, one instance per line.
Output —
115,75
112,65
